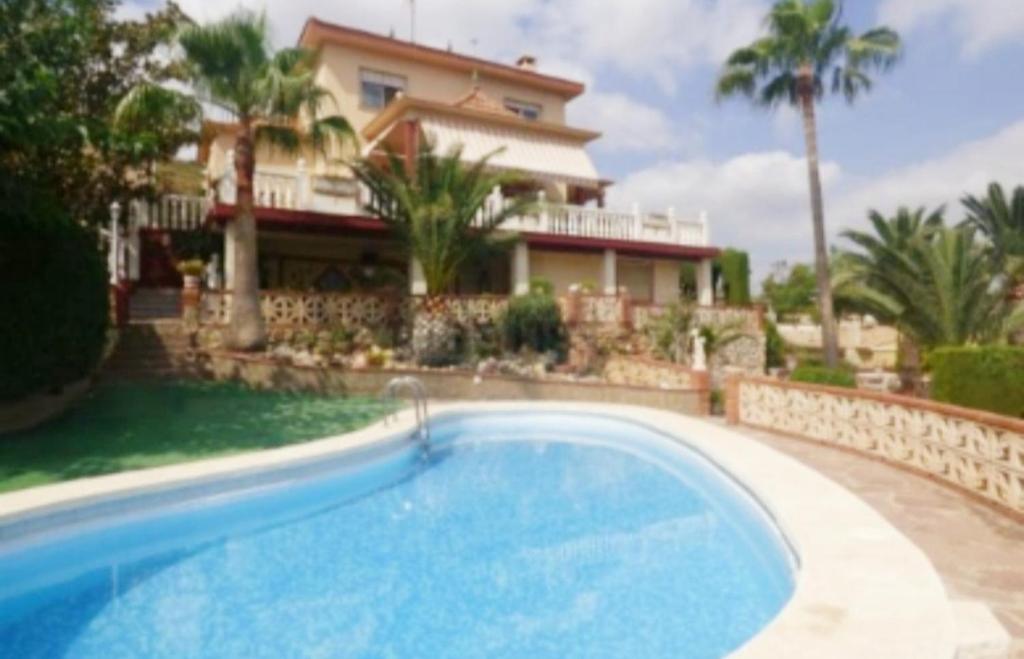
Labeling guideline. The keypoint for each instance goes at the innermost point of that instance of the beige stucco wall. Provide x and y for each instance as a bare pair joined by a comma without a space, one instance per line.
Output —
666,281
339,72
636,276
563,269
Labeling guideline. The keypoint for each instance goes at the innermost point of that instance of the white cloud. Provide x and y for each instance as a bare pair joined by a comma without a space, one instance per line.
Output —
656,40
967,169
981,24
628,125
759,201
756,201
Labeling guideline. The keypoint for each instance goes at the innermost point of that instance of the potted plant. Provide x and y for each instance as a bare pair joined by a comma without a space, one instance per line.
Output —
191,270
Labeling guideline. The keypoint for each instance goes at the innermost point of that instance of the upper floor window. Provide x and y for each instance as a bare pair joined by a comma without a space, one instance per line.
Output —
378,89
524,109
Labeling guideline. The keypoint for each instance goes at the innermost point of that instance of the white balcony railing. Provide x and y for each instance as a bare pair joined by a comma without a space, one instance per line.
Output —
293,189
583,222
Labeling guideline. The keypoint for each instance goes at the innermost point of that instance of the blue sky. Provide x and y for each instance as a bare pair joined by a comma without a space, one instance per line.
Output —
948,119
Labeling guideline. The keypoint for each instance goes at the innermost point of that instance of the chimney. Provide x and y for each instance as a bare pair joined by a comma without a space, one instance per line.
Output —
527,63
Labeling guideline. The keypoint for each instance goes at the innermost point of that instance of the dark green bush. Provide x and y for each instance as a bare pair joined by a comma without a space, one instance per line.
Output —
833,377
734,268
55,294
987,378
534,321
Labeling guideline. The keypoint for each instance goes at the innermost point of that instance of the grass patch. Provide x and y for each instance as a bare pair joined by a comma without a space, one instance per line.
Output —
135,426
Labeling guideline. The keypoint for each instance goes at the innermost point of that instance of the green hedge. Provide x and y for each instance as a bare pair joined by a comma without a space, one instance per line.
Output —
55,292
988,378
833,377
734,267
534,321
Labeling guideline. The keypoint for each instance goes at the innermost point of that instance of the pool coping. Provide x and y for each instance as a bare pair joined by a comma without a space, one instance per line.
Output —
862,588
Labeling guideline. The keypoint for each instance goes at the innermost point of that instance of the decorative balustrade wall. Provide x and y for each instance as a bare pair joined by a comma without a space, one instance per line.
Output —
306,310
470,309
741,319
978,452
601,310
288,311
291,309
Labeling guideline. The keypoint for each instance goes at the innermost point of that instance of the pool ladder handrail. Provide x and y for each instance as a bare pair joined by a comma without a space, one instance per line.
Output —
413,386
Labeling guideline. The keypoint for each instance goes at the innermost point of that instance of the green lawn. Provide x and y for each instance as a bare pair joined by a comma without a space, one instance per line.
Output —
134,426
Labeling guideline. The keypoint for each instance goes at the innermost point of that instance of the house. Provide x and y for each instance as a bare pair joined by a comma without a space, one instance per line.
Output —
314,235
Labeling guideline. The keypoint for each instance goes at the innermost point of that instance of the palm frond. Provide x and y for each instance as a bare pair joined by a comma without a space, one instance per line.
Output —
285,139
443,210
149,104
807,37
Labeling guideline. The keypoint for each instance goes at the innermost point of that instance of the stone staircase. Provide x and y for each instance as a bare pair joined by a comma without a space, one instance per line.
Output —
155,304
153,349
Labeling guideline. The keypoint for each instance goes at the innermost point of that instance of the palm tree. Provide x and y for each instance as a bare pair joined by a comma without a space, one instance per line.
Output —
858,277
275,101
1001,221
439,209
807,52
934,283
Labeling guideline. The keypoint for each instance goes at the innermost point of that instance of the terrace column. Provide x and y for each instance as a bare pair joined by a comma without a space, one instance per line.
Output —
302,186
521,269
417,281
229,255
610,276
136,212
705,286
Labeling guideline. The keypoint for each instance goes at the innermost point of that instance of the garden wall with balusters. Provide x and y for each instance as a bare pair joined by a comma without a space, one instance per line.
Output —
976,452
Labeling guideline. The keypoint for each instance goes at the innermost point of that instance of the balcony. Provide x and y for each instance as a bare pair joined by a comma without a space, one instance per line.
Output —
298,190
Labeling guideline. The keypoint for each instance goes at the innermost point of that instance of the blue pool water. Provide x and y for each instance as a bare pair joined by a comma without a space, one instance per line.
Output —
528,537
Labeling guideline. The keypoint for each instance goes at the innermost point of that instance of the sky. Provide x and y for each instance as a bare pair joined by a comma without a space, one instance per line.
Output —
945,122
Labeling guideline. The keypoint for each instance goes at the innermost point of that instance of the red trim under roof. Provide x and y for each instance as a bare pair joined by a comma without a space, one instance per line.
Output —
280,219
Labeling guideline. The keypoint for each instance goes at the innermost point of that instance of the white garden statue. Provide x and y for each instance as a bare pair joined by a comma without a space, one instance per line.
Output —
700,358
213,278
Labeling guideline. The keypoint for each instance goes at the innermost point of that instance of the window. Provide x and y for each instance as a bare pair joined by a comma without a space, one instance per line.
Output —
378,89
524,109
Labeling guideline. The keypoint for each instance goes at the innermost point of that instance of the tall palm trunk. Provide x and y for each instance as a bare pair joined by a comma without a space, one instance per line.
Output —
246,331
829,340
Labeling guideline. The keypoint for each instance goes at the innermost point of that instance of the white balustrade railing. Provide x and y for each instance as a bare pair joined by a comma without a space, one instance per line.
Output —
170,212
293,190
584,222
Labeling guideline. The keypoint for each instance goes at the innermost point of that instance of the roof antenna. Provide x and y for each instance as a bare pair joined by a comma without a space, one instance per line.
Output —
412,21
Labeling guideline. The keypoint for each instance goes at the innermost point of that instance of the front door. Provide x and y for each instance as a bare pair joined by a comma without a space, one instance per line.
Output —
157,265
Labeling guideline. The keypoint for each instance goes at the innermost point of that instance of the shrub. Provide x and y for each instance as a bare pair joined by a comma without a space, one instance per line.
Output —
669,333
734,268
775,346
833,377
55,294
987,378
541,286
534,321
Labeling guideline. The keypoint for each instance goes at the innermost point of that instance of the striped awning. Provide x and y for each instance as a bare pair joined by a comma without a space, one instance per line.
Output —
536,154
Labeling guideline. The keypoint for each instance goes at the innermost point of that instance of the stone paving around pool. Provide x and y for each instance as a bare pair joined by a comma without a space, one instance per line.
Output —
978,552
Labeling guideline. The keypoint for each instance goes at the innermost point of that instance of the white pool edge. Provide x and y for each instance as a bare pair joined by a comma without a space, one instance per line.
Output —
862,590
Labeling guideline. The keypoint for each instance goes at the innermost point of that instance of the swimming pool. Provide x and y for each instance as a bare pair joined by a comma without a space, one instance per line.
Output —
539,535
